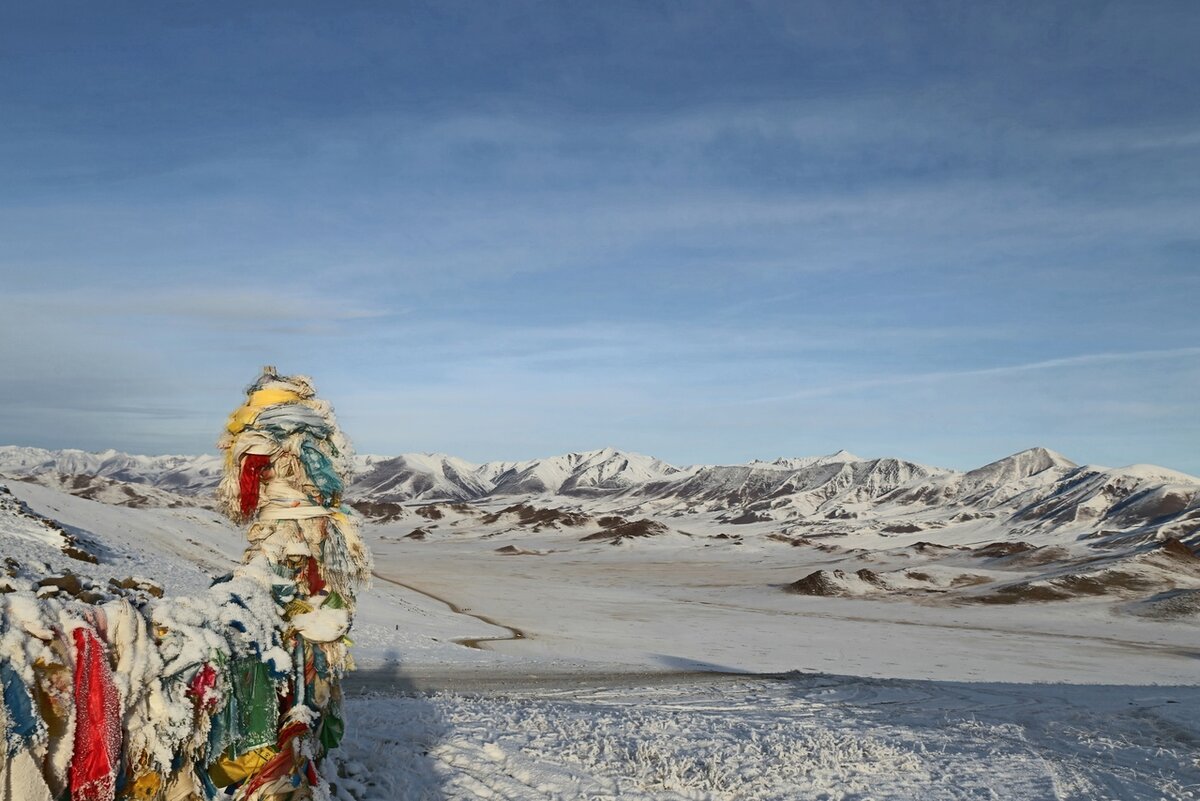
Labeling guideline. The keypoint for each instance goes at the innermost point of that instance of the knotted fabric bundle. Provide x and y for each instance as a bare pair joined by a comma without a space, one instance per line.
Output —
287,464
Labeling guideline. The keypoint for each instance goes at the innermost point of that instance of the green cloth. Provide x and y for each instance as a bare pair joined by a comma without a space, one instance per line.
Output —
257,706
332,728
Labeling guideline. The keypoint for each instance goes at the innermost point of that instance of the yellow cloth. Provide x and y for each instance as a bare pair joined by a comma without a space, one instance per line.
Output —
296,607
258,401
226,771
146,787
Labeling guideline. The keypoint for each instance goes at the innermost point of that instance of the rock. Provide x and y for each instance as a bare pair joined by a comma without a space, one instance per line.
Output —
67,582
871,577
1176,547
817,583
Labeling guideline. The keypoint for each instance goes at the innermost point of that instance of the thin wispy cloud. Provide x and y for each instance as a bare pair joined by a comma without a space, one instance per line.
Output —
1067,362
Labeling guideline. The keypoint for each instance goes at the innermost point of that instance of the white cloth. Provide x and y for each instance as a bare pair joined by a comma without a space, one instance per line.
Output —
21,779
285,502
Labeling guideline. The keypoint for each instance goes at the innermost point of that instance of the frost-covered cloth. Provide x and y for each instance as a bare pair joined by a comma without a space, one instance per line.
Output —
164,700
123,700
287,465
22,725
98,722
21,779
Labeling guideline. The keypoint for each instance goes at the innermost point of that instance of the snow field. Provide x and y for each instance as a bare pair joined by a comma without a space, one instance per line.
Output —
813,737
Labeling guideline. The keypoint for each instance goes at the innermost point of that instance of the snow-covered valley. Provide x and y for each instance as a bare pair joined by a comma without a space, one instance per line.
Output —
654,641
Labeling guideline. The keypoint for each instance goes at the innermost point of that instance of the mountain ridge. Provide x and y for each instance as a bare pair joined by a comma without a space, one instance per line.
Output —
1032,490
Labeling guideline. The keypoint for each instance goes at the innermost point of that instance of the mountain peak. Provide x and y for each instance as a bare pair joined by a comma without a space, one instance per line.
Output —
1044,454
797,463
1018,466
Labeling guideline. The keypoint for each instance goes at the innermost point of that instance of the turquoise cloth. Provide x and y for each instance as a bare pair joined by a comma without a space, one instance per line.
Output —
320,471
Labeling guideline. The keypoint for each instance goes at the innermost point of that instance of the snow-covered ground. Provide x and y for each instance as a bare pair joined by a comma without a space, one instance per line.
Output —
573,669
671,602
810,736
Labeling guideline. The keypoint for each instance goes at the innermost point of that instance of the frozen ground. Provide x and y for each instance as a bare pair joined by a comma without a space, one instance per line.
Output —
656,605
580,673
810,736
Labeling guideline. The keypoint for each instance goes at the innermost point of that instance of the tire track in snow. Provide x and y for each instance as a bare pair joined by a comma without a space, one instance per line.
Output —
478,643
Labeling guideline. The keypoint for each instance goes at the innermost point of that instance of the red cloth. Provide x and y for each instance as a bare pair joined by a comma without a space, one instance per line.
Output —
202,688
253,465
97,722
312,575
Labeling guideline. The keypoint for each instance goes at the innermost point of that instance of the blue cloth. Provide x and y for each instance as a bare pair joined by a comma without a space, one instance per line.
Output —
23,722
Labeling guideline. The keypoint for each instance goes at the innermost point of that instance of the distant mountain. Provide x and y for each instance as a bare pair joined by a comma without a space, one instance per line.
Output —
188,475
420,477
781,489
1029,491
588,474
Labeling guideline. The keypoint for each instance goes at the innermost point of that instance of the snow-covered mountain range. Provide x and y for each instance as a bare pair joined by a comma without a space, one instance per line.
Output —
1033,490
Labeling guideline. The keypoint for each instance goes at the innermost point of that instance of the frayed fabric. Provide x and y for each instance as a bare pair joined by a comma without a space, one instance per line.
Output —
287,465
232,693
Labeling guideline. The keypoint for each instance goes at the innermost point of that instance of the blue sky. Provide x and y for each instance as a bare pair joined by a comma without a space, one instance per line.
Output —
705,231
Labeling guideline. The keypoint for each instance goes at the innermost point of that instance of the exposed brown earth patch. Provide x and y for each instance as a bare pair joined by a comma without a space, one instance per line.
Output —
1021,593
749,517
512,550
1176,547
72,550
430,512
148,587
902,528
631,530
995,550
418,534
871,577
820,583
933,547
1108,582
795,542
537,518
379,511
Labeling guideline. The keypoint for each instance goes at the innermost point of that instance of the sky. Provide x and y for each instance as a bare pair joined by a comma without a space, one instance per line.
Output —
709,232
